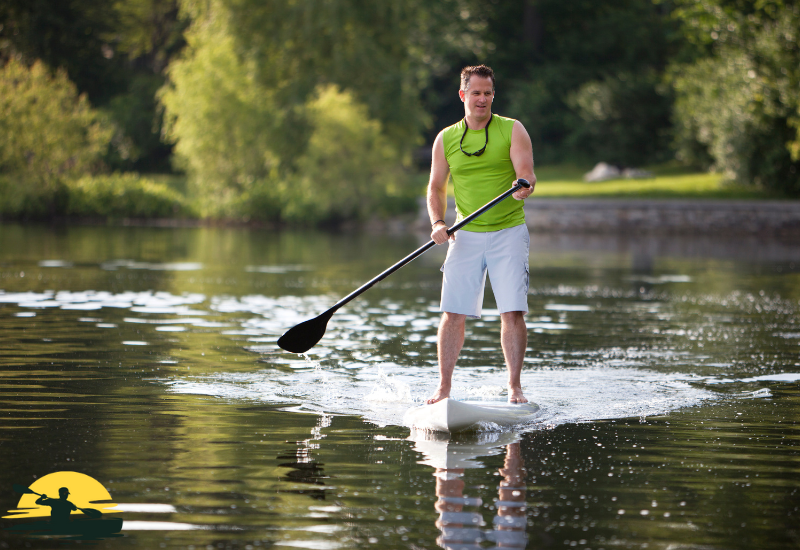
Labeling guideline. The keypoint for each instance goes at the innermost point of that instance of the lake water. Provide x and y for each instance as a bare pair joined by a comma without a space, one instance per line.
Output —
667,370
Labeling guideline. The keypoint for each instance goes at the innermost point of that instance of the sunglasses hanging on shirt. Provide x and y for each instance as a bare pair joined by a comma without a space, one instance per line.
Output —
480,151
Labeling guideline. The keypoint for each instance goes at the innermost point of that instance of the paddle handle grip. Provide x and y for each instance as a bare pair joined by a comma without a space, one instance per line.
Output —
520,184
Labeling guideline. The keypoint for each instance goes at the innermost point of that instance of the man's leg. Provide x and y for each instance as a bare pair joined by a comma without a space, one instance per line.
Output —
450,341
514,339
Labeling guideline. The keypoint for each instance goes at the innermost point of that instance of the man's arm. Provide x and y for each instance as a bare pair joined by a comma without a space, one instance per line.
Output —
522,158
437,191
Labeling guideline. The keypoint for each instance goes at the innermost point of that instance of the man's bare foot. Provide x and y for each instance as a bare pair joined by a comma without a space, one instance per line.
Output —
515,396
439,394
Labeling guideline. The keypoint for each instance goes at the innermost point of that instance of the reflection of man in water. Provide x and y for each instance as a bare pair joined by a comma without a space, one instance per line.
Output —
510,523
460,529
60,508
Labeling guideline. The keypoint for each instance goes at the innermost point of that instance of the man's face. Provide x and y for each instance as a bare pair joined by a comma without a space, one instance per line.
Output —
478,97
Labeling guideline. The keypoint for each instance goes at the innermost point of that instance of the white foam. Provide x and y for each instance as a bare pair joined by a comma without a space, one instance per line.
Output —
377,393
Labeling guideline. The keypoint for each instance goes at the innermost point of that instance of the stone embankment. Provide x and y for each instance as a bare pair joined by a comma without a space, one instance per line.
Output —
655,216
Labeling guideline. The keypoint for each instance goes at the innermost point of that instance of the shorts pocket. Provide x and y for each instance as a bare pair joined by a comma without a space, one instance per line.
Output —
447,257
527,278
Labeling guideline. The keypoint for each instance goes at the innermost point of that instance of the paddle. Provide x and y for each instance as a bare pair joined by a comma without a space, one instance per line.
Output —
90,512
303,337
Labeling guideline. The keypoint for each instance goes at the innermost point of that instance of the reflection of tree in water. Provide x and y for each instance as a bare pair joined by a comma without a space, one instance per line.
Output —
303,466
461,528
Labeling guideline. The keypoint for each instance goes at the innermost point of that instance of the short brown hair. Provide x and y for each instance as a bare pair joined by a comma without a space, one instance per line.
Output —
477,70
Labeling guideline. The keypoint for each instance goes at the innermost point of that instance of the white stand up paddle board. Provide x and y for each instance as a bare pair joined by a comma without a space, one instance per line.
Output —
449,415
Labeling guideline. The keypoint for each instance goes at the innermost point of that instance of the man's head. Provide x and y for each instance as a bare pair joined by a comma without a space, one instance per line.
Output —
63,492
477,92
478,70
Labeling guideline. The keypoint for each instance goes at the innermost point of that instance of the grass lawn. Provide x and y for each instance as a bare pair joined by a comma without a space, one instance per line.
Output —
669,182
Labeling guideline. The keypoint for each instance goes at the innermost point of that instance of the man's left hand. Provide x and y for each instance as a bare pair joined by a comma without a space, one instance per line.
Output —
524,193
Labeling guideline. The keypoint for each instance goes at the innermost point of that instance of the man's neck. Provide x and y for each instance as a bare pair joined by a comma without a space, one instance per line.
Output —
477,124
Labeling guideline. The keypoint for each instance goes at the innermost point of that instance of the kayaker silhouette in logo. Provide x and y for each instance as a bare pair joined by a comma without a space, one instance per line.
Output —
40,515
60,508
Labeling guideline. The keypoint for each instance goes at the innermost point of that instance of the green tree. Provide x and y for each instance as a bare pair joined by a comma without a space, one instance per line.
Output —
65,34
625,119
49,134
246,104
115,52
223,121
146,34
737,106
556,60
382,52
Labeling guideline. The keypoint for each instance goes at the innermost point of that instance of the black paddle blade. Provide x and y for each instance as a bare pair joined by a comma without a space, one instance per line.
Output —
303,337
21,489
91,512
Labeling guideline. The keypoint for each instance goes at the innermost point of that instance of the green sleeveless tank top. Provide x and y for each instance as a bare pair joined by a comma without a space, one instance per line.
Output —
477,180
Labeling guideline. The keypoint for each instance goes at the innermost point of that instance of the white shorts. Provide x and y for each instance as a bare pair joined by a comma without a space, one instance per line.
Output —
504,254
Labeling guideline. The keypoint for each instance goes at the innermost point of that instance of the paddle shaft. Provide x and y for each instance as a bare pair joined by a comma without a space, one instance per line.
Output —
521,183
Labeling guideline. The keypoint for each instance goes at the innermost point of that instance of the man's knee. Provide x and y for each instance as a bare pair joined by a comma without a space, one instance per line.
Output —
513,321
512,317
453,319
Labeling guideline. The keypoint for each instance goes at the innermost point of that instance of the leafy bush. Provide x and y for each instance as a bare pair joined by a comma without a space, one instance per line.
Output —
124,196
349,171
48,135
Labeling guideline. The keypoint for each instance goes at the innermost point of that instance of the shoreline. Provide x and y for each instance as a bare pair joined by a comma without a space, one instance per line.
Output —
671,216
779,218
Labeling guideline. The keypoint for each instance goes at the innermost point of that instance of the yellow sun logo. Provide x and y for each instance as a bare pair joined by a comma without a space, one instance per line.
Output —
88,496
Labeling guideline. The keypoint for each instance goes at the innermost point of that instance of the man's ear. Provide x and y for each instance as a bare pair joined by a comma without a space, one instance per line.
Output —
461,94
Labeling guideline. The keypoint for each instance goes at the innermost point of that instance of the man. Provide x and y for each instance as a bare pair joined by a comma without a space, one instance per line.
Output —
61,508
484,154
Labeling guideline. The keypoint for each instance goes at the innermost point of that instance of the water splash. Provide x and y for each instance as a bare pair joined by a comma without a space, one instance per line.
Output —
316,364
388,389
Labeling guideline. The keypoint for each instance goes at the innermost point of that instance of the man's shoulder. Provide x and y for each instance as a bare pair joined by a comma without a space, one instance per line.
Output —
458,127
505,119
452,134
504,126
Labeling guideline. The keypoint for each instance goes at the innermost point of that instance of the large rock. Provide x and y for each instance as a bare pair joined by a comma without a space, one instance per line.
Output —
602,172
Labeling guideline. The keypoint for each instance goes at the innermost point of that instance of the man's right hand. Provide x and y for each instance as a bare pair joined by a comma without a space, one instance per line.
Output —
439,233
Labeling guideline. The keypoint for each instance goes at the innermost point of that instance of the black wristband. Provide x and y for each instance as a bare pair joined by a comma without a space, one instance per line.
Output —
437,221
